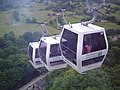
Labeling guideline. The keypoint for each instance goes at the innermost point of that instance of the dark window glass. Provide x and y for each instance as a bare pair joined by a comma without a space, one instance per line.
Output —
69,45
93,42
55,63
38,62
42,50
30,53
55,50
36,53
92,61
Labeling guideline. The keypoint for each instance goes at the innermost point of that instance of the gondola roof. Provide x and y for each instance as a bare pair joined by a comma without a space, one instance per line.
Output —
51,39
34,44
78,27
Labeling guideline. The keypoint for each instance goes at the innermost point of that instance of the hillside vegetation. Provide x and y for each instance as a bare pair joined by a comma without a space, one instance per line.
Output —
16,16
17,29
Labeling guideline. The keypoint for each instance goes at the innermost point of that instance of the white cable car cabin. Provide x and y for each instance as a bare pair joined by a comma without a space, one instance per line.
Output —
85,47
33,55
50,53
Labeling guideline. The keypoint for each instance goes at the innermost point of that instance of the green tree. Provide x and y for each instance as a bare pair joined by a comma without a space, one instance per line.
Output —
27,36
37,35
2,81
16,15
27,20
113,57
33,20
71,80
10,36
115,77
2,43
51,22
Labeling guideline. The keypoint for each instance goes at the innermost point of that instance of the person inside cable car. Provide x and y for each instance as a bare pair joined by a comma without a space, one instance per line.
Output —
87,44
93,42
55,50
87,48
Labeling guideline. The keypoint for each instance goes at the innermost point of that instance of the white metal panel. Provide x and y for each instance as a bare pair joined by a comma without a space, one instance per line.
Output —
94,54
51,40
33,56
47,55
78,27
91,66
81,31
79,50
35,45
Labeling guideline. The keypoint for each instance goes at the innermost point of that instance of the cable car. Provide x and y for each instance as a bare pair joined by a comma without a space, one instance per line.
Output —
33,55
50,53
83,47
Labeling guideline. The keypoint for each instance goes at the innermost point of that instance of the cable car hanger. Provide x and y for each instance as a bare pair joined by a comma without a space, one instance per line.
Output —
85,54
57,16
85,46
49,50
54,14
51,60
44,29
93,10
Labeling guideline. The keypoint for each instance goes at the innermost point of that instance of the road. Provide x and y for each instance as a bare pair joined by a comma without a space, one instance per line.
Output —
32,84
